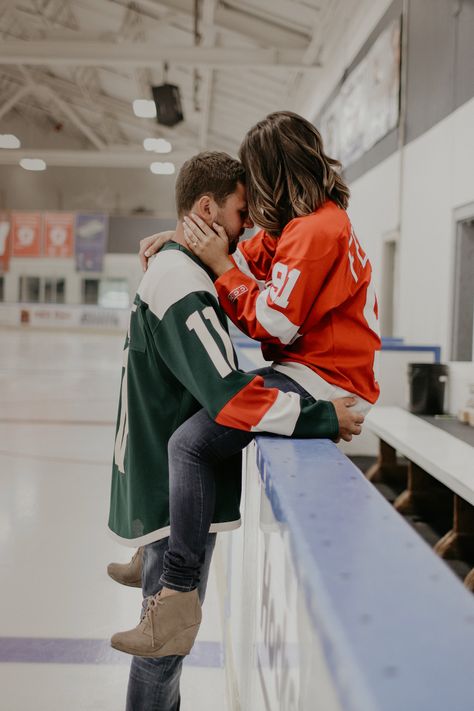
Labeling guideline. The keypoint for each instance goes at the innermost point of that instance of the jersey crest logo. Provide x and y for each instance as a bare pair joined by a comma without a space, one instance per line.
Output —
235,293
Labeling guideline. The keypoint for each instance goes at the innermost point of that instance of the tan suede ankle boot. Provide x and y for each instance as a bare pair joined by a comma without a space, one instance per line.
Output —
168,627
128,573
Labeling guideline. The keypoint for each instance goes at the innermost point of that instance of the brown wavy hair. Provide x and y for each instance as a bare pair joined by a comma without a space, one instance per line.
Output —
288,173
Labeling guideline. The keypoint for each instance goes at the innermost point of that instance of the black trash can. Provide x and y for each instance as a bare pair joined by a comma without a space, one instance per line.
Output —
427,387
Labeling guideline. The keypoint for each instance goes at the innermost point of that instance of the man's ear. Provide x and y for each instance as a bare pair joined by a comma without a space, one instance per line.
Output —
206,208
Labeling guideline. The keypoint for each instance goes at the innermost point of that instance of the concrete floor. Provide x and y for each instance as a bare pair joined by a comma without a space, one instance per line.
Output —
58,395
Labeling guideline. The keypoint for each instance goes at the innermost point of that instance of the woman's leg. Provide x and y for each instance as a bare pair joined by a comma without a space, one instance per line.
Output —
198,452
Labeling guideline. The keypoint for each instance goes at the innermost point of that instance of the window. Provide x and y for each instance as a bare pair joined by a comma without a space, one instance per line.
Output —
113,294
388,285
44,290
90,291
60,291
30,288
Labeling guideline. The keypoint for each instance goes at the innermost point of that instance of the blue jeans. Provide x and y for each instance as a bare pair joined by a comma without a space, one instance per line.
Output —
199,450
153,684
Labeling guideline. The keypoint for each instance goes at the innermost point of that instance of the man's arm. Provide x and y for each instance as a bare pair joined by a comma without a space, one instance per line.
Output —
193,342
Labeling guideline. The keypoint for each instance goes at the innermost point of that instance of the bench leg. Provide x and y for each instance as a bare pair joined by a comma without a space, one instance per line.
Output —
459,542
386,466
423,494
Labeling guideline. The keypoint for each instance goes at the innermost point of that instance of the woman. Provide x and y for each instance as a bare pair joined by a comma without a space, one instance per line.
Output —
302,286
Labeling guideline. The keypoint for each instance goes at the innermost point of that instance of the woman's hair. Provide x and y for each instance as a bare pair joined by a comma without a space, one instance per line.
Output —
288,173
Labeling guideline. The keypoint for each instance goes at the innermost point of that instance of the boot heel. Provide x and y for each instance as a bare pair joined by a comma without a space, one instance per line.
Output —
181,644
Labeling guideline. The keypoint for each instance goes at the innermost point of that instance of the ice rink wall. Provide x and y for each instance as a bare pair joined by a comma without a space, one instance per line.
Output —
330,600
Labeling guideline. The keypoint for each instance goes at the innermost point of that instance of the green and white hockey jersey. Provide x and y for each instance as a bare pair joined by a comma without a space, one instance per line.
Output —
178,357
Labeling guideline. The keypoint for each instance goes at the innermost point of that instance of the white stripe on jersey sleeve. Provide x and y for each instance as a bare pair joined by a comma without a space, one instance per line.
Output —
273,321
172,276
282,417
243,266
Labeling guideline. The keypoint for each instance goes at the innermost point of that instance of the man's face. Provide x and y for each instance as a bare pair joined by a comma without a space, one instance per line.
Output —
234,217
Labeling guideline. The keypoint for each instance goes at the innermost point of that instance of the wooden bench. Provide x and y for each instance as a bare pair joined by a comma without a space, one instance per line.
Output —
437,462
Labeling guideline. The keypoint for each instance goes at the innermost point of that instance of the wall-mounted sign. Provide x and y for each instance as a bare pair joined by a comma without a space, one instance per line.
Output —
91,232
5,233
61,316
366,107
58,234
26,234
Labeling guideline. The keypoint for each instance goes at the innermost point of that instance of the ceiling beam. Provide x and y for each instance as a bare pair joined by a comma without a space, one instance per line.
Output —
288,13
315,49
73,116
268,31
208,40
47,94
342,39
110,158
13,100
244,90
101,102
131,54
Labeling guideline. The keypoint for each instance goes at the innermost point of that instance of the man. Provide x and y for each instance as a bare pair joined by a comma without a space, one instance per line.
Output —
178,358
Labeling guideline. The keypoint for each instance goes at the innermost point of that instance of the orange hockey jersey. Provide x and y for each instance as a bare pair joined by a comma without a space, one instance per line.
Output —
308,297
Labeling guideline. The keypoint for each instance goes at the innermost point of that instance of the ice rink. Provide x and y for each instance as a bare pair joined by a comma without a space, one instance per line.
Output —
58,394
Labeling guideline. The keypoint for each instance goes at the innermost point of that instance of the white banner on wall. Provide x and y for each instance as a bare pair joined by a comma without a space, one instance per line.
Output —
366,107
59,316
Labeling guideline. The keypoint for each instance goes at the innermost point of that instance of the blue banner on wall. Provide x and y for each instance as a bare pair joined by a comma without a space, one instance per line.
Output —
91,233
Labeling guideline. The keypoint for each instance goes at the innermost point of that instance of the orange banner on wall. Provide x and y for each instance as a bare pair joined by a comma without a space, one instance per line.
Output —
26,234
58,234
5,239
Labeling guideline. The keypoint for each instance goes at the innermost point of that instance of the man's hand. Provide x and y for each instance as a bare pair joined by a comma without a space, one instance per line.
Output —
151,245
350,421
210,245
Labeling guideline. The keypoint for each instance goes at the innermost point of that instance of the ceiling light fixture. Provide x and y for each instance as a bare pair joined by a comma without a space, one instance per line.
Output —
8,140
143,108
33,164
160,168
158,145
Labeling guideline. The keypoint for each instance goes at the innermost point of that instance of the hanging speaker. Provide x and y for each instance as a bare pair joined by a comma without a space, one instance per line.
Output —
167,99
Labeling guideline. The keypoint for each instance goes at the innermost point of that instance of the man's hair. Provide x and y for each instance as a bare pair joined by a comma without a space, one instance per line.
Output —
288,173
209,173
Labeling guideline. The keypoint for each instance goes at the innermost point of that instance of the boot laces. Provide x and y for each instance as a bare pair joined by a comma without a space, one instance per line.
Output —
152,602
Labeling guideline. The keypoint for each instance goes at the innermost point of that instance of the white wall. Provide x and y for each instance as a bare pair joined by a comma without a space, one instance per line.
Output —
437,178
374,218
460,381
104,189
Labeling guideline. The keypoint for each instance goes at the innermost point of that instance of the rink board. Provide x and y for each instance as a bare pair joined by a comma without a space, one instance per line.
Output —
331,601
